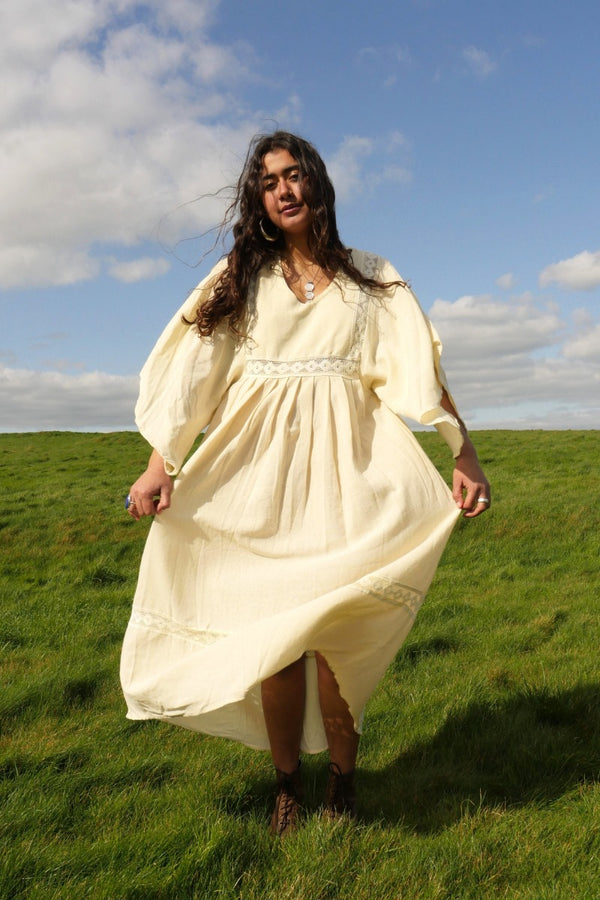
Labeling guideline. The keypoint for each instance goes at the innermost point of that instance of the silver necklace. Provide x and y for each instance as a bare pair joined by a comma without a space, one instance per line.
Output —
309,285
309,290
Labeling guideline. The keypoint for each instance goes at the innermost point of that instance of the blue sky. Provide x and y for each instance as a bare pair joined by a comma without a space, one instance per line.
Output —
462,137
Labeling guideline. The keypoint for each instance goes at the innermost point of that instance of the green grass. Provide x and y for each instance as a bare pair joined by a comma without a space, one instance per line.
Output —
480,760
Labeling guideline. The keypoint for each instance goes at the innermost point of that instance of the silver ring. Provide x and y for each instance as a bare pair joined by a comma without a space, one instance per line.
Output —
483,500
129,502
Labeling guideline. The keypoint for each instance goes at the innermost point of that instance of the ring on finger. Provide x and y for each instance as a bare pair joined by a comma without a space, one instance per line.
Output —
483,499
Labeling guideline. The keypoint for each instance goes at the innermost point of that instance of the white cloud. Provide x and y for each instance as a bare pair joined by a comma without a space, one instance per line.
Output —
107,124
114,116
38,27
361,164
139,269
345,167
196,14
396,174
503,356
479,61
506,327
42,401
585,343
506,281
38,264
538,415
578,273
289,114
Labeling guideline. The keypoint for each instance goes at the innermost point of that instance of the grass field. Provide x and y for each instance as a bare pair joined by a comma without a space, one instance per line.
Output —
479,767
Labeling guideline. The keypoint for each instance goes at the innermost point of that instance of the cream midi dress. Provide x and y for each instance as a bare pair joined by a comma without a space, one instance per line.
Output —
308,519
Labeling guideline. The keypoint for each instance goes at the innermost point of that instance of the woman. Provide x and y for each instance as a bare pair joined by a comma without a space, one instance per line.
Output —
289,557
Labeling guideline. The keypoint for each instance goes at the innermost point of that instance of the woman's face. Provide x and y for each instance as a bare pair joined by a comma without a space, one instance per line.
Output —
282,193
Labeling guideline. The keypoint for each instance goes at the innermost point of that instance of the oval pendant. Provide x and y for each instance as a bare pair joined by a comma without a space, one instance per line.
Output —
309,286
310,295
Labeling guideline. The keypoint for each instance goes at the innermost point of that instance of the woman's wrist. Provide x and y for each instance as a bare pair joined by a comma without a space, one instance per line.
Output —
156,463
467,451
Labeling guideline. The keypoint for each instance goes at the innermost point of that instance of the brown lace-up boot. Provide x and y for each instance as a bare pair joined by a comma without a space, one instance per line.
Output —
340,799
287,803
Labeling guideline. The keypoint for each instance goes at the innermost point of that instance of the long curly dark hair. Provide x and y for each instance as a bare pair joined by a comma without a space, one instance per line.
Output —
251,251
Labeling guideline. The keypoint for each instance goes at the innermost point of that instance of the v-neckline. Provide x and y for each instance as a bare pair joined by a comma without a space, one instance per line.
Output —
295,296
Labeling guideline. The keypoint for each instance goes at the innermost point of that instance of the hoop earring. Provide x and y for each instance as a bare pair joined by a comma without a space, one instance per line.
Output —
265,234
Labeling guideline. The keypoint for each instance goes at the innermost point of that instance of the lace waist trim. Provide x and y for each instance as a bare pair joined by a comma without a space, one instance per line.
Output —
330,365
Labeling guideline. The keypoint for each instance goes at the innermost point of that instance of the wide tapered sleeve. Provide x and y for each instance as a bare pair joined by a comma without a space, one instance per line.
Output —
402,359
183,381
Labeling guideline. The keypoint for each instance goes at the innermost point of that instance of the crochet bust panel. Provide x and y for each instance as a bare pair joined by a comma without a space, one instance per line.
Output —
346,367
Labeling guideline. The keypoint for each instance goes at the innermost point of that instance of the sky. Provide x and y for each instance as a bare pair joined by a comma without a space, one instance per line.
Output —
462,138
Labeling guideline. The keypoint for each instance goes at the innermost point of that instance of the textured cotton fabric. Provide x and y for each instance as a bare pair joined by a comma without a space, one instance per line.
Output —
309,519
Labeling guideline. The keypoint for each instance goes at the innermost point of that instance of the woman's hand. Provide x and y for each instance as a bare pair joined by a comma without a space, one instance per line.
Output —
470,487
151,493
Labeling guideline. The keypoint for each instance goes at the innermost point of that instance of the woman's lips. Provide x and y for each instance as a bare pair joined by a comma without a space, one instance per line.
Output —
291,209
